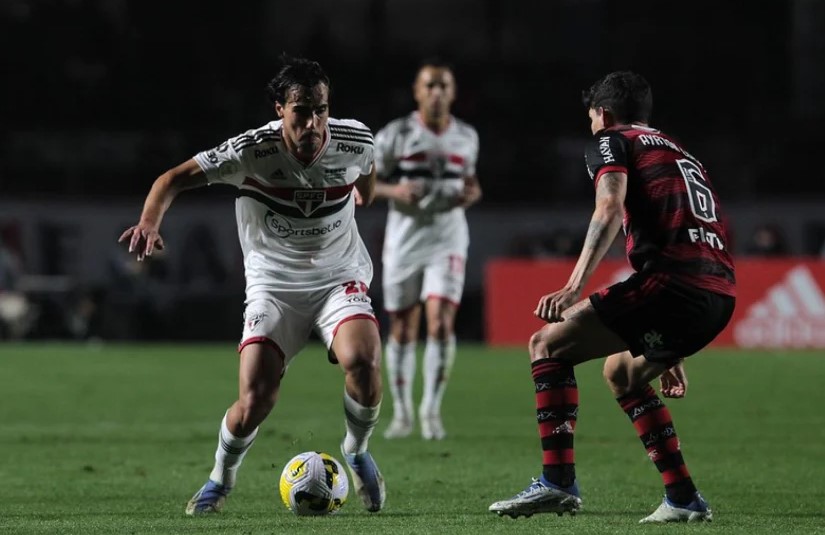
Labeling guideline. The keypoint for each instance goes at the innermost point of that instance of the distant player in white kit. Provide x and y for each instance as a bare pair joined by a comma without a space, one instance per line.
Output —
306,266
426,164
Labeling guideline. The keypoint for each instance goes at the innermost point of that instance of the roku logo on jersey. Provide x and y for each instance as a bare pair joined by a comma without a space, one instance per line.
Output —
604,149
263,153
345,147
284,229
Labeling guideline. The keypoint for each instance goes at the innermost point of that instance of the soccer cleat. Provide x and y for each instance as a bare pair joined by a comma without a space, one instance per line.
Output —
540,497
209,499
366,479
431,427
398,428
696,511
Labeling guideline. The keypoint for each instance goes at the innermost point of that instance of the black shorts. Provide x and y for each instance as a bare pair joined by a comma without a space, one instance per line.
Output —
662,319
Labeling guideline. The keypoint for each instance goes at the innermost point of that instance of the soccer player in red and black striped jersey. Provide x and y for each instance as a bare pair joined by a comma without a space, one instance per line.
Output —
681,295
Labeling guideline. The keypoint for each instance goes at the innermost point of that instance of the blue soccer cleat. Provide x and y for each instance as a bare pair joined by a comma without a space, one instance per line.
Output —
540,496
696,511
366,479
209,499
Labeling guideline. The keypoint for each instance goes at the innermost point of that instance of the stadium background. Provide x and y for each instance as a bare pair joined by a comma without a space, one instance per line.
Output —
107,428
107,95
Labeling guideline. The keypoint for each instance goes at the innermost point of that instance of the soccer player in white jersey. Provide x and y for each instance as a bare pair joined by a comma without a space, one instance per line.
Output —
306,266
426,163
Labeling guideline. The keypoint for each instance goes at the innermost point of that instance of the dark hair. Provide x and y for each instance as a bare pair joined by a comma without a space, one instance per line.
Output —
294,72
626,95
437,62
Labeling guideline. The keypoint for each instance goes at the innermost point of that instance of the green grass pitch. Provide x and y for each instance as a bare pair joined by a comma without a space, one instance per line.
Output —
115,439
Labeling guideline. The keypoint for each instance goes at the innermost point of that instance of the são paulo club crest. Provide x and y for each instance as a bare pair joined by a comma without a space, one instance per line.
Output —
309,200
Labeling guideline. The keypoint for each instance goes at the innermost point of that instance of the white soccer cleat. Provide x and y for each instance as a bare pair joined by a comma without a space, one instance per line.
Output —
209,499
696,511
398,428
366,479
431,427
540,497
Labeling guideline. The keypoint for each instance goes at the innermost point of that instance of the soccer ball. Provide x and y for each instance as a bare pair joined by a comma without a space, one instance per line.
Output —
314,483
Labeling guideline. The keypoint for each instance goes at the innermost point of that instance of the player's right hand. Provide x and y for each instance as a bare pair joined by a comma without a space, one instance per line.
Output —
552,306
143,239
409,191
673,383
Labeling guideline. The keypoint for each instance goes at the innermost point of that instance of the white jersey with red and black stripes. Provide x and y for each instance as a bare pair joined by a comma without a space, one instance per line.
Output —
406,150
296,221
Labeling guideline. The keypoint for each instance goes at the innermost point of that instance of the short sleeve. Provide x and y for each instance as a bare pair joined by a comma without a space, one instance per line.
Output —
367,160
385,159
472,160
223,164
606,152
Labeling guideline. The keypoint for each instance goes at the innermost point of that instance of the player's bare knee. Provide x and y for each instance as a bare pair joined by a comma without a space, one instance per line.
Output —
399,333
410,333
538,346
402,330
616,376
439,329
363,362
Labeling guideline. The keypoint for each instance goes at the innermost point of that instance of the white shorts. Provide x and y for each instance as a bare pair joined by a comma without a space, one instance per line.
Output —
286,319
442,278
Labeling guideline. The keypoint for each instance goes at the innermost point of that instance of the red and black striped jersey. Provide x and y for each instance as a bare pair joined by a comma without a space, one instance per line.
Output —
673,220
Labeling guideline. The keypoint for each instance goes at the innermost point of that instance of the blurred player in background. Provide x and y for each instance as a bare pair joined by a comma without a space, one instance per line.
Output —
680,297
426,164
306,266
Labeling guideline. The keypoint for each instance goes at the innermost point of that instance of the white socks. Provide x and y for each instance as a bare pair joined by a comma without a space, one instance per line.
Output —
229,455
360,422
400,360
438,362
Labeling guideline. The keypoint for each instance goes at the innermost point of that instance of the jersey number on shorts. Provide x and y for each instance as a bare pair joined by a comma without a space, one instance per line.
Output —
353,287
701,198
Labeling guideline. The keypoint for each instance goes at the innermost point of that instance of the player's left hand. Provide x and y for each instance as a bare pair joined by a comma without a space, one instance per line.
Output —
673,383
470,194
551,306
143,239
359,201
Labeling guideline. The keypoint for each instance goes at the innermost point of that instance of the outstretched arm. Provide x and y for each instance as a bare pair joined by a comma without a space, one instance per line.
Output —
604,225
145,236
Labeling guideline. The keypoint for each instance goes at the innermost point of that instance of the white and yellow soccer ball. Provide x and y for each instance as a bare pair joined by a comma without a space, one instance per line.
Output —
314,483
